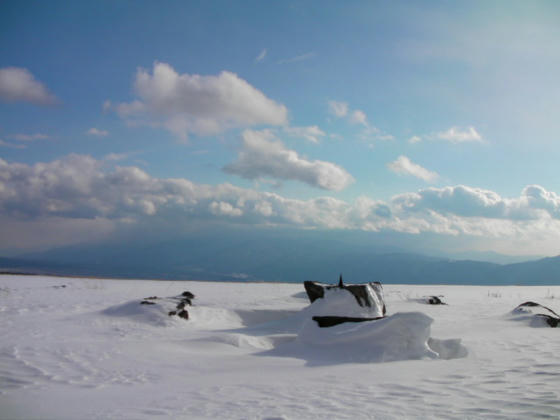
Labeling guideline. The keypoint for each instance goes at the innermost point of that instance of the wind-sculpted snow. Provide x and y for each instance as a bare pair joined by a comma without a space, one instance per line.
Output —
251,350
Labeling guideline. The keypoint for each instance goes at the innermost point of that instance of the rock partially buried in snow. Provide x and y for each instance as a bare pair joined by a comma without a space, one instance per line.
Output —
537,315
368,296
434,300
153,309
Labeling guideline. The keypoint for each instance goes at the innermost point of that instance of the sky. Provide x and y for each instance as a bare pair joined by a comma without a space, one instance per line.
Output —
432,119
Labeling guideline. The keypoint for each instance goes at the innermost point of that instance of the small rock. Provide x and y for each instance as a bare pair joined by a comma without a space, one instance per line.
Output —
188,295
183,314
147,302
434,300
171,313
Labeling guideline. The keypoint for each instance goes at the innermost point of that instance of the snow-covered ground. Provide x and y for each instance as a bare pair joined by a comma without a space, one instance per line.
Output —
251,351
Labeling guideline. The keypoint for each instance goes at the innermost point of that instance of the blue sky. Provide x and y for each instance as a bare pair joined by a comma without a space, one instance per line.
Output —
417,117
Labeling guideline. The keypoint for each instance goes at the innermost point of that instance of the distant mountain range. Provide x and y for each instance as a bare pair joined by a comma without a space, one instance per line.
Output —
284,257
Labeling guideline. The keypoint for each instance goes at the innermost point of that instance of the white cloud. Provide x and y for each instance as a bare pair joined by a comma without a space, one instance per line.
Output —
338,109
96,132
264,156
462,201
222,208
261,56
458,135
311,133
415,139
18,85
201,105
404,166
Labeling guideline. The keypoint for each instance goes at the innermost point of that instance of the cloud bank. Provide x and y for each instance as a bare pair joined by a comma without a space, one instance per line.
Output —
202,105
80,187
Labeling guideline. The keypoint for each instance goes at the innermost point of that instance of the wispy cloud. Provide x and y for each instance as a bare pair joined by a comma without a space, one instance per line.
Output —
97,132
459,135
338,109
12,145
29,137
358,117
311,133
453,135
261,56
301,57
107,106
404,166
19,85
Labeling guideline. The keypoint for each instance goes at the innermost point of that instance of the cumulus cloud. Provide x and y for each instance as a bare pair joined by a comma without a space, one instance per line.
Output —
415,139
96,132
458,135
79,188
462,201
311,133
404,166
264,156
19,85
202,105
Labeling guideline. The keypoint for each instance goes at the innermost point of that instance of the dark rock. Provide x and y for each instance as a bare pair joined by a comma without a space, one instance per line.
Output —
171,313
330,321
186,301
188,295
151,298
147,302
434,300
534,304
183,314
181,305
551,321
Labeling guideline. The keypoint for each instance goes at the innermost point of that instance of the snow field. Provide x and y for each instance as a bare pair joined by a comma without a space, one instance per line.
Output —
249,350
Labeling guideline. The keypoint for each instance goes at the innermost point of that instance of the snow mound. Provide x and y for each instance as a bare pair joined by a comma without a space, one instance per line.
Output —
402,336
156,315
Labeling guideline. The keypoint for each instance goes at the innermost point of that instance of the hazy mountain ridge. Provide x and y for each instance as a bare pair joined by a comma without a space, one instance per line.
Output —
282,257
